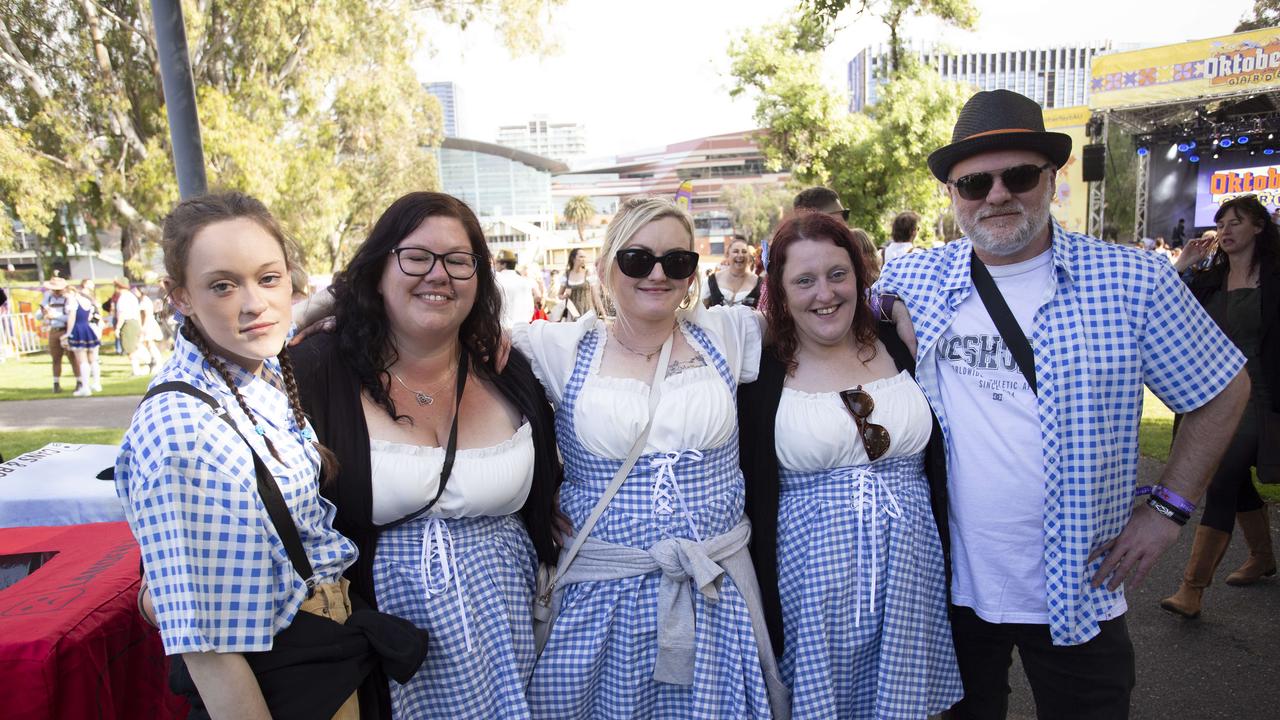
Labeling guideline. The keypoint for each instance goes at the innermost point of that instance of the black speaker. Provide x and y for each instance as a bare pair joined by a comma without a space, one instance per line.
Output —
1095,162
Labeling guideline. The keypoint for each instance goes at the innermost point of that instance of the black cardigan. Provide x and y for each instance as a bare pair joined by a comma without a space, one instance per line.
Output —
757,409
330,394
1207,284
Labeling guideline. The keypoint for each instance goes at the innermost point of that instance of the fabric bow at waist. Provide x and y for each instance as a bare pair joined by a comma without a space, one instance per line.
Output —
685,565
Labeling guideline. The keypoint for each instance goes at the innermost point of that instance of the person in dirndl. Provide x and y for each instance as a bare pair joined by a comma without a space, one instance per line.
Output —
658,615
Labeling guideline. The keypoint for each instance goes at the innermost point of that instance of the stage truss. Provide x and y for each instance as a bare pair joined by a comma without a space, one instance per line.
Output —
1201,119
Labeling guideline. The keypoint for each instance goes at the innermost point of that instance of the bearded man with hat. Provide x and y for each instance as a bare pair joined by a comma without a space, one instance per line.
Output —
1033,347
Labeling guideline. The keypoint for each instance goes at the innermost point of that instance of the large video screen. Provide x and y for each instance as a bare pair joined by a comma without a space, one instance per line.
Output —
1234,175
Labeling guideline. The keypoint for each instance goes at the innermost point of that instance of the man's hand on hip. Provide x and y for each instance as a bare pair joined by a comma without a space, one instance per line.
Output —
1146,537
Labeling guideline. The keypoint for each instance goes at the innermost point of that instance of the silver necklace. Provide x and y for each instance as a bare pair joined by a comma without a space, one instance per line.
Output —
640,353
422,397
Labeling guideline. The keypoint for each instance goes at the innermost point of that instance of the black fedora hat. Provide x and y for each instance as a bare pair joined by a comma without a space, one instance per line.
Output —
999,120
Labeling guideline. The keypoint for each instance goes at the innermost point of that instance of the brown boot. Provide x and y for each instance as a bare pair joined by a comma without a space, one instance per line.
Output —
1262,559
1206,552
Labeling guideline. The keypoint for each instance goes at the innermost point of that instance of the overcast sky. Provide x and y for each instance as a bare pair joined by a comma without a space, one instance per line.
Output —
646,74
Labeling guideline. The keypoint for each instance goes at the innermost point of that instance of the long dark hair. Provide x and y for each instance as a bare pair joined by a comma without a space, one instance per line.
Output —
361,325
1266,246
818,227
573,255
180,229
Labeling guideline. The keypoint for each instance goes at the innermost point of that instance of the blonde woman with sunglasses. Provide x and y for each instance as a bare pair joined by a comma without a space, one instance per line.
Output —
658,605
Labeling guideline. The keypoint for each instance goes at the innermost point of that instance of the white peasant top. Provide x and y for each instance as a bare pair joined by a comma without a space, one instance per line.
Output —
815,432
697,409
485,481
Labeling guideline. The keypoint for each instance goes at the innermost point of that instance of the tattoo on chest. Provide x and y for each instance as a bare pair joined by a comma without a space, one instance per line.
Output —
675,367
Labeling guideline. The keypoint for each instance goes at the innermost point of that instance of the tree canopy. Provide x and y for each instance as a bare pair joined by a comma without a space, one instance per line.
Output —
819,16
757,209
1266,13
311,106
874,161
578,211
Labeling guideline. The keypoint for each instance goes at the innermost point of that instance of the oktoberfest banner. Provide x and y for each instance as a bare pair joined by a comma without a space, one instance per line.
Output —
1071,205
1227,65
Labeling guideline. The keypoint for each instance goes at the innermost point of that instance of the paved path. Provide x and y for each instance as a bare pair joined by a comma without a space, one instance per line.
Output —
70,412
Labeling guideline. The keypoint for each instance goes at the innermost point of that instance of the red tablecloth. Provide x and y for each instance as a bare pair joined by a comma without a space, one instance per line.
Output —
72,644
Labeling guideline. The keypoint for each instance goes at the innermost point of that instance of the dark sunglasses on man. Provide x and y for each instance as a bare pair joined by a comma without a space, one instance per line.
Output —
638,263
842,213
1016,179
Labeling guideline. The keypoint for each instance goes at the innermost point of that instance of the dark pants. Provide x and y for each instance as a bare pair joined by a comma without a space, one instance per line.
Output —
1231,490
1080,682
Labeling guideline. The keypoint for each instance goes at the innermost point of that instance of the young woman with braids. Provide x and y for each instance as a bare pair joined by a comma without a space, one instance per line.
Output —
448,466
220,582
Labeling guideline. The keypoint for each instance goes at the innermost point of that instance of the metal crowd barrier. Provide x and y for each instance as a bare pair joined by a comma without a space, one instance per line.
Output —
20,334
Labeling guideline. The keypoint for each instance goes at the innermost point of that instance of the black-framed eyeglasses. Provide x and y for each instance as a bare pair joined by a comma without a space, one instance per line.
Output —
860,405
418,261
1016,179
843,213
638,263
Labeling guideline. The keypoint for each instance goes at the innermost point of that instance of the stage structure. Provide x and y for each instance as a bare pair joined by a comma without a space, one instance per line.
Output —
1205,118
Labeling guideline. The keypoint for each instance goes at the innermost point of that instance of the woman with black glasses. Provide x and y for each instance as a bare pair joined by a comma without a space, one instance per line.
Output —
448,467
835,438
657,597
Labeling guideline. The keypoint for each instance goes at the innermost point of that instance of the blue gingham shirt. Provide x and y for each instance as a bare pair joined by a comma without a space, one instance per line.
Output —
219,575
1116,319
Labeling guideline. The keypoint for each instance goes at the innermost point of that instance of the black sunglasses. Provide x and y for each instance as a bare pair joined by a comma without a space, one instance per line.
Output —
843,213
1017,179
638,263
418,261
860,405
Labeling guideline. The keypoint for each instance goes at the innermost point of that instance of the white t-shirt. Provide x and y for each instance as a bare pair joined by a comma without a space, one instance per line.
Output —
896,250
517,297
995,469
127,308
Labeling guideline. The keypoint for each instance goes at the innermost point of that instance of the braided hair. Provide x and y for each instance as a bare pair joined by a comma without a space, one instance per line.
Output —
180,229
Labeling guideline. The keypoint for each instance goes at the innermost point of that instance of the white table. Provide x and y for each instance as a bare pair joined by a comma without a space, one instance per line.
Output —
58,485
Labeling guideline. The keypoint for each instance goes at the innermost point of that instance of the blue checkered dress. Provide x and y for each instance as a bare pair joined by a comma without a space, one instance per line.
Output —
219,575
599,659
1117,318
864,599
480,653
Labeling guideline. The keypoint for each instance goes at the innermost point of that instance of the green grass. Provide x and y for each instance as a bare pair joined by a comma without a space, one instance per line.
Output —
30,377
14,443
1156,432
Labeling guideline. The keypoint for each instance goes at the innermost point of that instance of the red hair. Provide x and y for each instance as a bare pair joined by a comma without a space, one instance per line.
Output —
818,227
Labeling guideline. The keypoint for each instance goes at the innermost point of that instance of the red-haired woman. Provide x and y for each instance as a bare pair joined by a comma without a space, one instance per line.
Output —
835,440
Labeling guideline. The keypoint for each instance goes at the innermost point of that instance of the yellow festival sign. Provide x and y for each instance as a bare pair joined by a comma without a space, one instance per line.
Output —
1192,70
1071,206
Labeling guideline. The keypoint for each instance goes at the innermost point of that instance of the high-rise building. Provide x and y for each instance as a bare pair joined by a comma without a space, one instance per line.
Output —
1054,77
556,140
447,93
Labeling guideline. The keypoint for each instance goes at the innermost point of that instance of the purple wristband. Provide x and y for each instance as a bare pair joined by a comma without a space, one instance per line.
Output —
1142,490
1173,499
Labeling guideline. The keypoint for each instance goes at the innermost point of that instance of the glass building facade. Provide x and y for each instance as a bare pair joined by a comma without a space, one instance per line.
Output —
447,94
495,185
1054,77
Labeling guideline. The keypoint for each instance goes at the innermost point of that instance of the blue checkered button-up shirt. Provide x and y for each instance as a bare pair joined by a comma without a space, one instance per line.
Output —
219,575
1117,319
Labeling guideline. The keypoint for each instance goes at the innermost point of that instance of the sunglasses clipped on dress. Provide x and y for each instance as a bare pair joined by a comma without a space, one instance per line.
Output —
1016,179
638,263
860,405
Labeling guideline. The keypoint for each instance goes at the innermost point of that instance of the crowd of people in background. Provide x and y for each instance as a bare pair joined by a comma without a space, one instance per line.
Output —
75,322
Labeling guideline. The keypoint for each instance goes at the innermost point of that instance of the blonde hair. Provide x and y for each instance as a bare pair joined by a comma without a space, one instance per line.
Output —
635,214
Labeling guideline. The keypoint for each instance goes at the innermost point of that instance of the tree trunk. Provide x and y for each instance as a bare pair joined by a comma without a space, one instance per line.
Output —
129,246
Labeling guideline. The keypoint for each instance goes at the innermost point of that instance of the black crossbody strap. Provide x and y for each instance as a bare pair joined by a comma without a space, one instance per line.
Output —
1006,325
272,498
450,450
